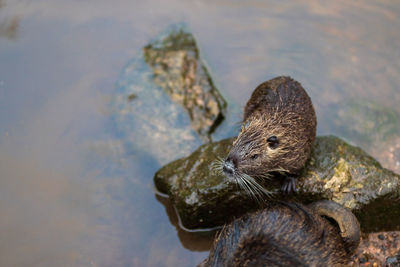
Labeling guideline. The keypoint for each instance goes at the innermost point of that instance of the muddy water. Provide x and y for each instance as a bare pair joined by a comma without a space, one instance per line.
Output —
72,194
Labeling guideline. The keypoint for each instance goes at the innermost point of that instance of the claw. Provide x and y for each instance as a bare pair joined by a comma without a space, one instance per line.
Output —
289,185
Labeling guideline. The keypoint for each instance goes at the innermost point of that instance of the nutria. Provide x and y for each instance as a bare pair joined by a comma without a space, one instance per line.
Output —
278,130
288,234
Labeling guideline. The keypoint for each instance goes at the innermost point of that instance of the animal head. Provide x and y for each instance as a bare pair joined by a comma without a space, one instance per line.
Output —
264,145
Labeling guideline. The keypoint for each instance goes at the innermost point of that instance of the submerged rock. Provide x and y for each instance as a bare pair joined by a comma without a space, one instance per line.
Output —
374,127
145,111
366,123
390,154
336,171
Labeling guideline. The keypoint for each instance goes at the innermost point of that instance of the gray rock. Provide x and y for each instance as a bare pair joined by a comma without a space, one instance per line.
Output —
145,111
336,171
179,71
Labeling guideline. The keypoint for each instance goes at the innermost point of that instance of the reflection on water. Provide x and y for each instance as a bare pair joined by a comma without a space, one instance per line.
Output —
8,25
73,193
9,28
195,240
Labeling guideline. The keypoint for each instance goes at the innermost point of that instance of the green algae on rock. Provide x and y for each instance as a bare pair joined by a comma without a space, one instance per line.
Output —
179,71
145,108
203,199
336,171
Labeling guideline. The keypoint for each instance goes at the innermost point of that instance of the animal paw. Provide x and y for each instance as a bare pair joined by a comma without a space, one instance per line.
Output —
289,185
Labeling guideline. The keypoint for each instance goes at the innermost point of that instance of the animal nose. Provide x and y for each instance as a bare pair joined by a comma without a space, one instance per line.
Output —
230,165
227,169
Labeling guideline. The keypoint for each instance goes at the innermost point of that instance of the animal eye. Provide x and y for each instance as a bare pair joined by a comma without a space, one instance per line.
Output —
254,156
273,142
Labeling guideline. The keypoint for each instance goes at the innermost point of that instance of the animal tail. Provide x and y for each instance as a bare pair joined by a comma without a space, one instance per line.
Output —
347,221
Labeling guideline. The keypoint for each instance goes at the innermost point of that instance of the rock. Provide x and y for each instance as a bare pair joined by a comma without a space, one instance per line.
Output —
365,123
178,70
202,198
336,171
373,127
144,108
378,249
391,154
393,261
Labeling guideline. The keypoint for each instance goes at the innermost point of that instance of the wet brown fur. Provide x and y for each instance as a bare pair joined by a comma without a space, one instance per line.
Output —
279,107
285,234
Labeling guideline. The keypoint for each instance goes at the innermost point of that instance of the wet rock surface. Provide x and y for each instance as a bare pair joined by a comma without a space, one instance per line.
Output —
336,171
178,70
390,154
169,71
203,199
366,123
370,125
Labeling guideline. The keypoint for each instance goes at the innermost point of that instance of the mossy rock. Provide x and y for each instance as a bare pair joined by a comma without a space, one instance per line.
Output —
336,171
177,68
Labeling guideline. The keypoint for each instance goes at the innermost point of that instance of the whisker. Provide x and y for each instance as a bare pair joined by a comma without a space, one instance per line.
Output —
256,186
217,166
256,193
266,176
248,189
252,190
245,182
